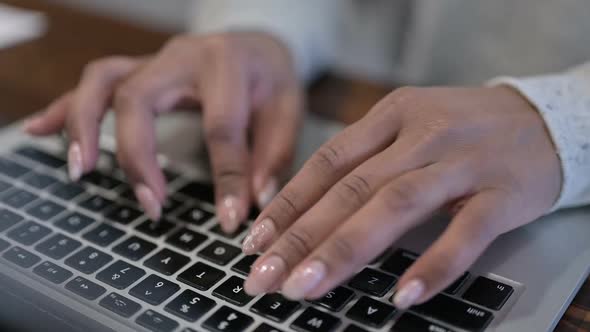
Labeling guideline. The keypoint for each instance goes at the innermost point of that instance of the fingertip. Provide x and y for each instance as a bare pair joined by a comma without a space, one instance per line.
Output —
75,162
230,213
266,192
149,202
409,294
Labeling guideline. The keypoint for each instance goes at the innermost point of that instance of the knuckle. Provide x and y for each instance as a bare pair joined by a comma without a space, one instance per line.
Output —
403,195
287,203
327,158
354,189
179,43
130,92
402,95
220,132
342,249
218,46
298,241
104,67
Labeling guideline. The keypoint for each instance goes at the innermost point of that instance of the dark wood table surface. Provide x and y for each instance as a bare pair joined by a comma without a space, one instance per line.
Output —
34,73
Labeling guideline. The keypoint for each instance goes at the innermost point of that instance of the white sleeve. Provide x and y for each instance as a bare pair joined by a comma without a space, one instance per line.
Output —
563,100
307,27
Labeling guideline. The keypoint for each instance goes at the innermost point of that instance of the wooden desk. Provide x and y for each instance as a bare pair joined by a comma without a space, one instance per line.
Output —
33,74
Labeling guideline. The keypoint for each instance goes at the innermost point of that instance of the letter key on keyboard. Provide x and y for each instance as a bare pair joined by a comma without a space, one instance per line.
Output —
372,282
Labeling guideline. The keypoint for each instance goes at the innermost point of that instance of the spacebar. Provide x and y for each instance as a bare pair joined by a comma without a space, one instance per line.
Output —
456,313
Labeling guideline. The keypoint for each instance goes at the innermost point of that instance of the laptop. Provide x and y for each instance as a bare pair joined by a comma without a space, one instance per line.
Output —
83,257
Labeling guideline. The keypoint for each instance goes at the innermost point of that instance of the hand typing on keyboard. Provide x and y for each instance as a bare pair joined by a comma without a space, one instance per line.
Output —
482,153
246,86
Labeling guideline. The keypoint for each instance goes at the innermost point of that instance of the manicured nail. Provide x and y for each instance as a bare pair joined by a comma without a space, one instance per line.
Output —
228,214
269,191
258,236
147,199
303,280
74,162
265,275
409,294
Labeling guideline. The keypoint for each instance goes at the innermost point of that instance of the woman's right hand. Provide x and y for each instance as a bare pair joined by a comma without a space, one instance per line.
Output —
246,85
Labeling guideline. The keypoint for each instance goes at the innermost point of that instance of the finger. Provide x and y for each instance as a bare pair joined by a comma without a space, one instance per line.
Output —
52,120
467,236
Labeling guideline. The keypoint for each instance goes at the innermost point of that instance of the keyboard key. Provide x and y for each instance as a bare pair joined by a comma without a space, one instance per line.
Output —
154,290
8,219
275,306
217,230
40,181
488,293
372,282
45,210
74,222
55,274
167,262
399,262
244,265
96,203
4,186
103,235
17,198
455,286
201,276
354,328
409,322
4,245
171,205
219,252
198,190
195,215
58,246
41,157
156,322
313,320
266,328
232,290
335,299
120,274
190,306
370,312
12,169
170,175
88,260
21,257
455,312
155,228
28,233
120,305
85,288
186,239
67,191
134,248
101,180
228,320
123,215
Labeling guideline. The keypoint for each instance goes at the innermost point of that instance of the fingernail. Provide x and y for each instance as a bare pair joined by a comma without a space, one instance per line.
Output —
147,199
409,294
74,162
228,214
265,275
258,236
303,280
268,193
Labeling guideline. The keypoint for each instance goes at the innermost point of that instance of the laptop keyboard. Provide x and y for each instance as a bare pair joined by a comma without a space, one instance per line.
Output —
91,240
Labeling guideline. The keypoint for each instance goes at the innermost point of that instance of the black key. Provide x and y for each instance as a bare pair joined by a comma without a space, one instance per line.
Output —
488,293
167,261
4,186
12,169
253,214
399,262
170,175
120,274
17,198
4,245
67,191
128,194
134,248
40,181
217,230
8,219
186,239
45,210
96,203
88,260
370,312
201,276
336,299
354,328
244,265
190,305
199,190
154,290
171,205
55,274
195,215
275,306
372,282
455,286
41,156
156,322
219,252
101,180
123,214
120,305
409,322
155,228
232,290
58,246
74,222
228,320
85,288
103,235
266,328
455,312
313,320
29,233
21,257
